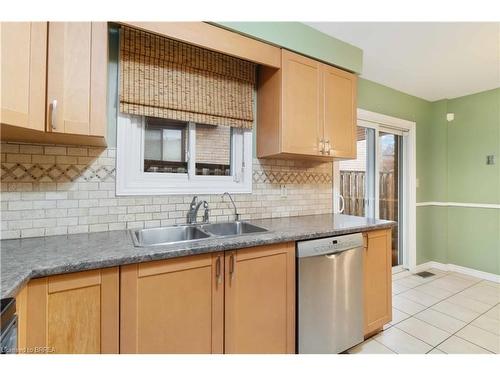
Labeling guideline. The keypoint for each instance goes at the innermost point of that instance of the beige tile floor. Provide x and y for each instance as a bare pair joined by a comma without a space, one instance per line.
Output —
447,313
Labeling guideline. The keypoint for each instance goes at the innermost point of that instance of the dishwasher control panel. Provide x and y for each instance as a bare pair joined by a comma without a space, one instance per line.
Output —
328,245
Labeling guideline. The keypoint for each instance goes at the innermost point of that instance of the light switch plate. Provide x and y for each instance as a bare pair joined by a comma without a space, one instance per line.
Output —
490,159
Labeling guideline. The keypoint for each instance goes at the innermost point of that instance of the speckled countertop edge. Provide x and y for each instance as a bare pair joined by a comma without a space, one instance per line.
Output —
25,259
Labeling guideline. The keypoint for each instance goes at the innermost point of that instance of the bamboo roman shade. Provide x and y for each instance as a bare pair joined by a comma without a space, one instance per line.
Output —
162,77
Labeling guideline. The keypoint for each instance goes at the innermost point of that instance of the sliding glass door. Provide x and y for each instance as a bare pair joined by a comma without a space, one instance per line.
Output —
372,184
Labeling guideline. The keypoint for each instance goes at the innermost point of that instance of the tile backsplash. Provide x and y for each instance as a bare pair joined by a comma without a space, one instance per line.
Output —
49,190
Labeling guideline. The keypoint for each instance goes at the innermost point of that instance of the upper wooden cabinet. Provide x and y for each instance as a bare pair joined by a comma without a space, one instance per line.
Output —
54,80
76,78
378,280
306,109
71,313
23,54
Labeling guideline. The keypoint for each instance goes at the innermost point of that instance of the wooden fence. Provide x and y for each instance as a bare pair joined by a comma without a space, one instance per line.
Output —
353,189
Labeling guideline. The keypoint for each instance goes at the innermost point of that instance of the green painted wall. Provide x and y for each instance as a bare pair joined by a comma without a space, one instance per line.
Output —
301,38
451,167
473,134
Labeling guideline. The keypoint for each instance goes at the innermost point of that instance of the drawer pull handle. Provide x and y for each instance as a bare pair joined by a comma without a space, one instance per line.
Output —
231,266
218,273
53,114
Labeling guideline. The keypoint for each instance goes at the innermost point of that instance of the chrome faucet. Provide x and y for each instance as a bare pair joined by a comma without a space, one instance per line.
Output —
236,214
193,211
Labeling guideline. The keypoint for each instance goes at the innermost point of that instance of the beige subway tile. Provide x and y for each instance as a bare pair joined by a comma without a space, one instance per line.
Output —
66,160
67,221
84,220
144,217
10,234
88,203
56,195
32,195
10,196
127,217
117,210
108,202
78,211
77,151
56,212
135,224
117,226
98,227
68,203
44,223
20,224
95,151
45,160
78,229
55,150
30,149
108,218
152,224
55,231
135,209
32,214
98,211
20,205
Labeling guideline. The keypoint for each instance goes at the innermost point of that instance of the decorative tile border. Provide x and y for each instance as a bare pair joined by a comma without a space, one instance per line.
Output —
291,177
15,172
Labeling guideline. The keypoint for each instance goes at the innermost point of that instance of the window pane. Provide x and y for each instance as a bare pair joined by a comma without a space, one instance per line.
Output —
165,145
213,150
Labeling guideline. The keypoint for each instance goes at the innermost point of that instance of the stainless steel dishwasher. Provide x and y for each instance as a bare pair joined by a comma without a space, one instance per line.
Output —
330,293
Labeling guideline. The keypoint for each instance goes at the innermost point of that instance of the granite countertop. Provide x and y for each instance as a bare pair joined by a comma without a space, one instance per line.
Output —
24,259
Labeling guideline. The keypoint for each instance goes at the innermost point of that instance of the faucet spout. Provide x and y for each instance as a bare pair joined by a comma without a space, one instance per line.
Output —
236,214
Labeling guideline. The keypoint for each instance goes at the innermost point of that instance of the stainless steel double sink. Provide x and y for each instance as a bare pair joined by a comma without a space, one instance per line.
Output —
188,233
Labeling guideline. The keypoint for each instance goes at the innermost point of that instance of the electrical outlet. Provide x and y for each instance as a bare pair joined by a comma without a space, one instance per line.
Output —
283,191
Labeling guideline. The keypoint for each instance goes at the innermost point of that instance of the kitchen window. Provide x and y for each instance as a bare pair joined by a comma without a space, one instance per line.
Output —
160,156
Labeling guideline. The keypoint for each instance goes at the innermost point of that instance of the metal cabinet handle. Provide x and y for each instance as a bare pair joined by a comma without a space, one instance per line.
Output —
53,114
328,149
322,146
231,266
218,273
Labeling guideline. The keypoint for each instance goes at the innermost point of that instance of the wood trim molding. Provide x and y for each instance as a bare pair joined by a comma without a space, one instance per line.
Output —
9,133
215,38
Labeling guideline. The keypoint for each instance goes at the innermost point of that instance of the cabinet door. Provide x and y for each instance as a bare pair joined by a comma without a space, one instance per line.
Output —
76,78
260,300
378,280
173,306
73,313
300,104
23,67
339,113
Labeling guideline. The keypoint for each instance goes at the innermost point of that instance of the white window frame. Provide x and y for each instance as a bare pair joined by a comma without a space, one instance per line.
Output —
132,180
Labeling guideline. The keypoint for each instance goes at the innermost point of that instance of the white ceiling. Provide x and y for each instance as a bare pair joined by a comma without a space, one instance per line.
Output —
430,60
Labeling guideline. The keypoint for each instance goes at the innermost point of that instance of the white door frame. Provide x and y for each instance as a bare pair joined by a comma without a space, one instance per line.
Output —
375,120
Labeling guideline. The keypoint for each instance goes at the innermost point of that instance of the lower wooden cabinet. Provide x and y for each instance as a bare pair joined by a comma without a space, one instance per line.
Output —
239,302
71,313
260,300
378,280
173,306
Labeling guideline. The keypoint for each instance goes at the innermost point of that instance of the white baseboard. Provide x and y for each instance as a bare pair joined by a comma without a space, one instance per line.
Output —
454,268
